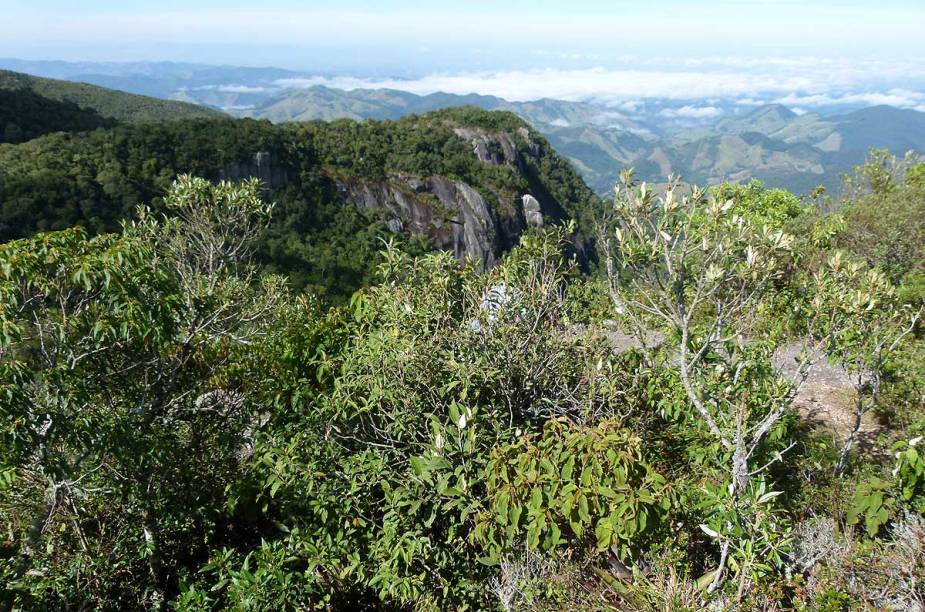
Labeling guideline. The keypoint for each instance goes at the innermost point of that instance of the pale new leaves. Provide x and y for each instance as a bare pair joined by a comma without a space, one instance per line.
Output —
691,266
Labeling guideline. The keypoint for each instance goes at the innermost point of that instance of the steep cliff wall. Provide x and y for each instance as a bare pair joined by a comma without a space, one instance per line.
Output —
477,224
273,176
452,214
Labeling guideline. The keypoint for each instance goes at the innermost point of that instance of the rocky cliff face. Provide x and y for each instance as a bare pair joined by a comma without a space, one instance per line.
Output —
261,167
454,215
451,214
477,223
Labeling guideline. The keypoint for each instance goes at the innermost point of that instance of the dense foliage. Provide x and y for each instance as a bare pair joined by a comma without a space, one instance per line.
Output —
25,115
179,429
96,179
885,219
33,106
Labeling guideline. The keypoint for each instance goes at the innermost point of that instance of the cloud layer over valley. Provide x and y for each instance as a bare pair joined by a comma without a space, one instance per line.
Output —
804,82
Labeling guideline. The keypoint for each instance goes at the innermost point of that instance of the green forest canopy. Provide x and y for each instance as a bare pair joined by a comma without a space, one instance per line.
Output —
96,179
32,106
185,424
180,430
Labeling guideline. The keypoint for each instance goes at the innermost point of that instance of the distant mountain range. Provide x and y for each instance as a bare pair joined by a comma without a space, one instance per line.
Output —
656,137
771,143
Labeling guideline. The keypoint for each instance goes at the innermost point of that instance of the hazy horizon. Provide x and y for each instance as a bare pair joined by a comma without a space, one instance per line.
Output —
801,55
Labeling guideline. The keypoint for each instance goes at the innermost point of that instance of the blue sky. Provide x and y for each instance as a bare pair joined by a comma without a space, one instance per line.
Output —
431,35
519,49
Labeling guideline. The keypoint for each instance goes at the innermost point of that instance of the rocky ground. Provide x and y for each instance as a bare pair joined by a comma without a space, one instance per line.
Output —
826,399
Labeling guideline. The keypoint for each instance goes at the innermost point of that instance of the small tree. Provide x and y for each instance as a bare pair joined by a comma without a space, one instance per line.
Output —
118,359
881,173
862,323
436,368
696,268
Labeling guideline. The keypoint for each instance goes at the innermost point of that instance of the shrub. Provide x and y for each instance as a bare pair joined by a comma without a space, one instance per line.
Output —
573,486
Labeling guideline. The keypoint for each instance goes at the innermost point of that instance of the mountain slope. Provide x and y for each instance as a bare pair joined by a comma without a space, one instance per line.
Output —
31,106
597,140
883,127
463,180
767,120
771,143
780,148
208,85
25,115
320,102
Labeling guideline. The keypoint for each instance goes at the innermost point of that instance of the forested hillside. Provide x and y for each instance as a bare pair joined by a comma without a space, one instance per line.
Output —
770,143
25,115
31,106
454,180
361,365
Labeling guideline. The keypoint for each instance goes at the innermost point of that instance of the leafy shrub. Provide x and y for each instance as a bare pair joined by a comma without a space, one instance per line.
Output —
909,471
570,482
873,504
776,208
125,378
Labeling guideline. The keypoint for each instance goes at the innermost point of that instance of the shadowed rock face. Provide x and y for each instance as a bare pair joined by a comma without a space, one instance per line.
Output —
262,167
452,214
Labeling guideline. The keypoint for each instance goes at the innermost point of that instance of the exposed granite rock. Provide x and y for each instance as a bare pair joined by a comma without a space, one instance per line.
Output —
495,149
451,214
261,167
827,397
532,212
499,148
484,154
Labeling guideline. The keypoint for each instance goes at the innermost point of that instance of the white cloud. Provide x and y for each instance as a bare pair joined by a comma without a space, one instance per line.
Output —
902,98
630,106
691,112
559,122
804,82
638,131
241,89
610,86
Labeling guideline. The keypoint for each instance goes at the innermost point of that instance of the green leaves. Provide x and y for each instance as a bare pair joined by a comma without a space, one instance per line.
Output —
909,470
601,486
127,351
7,477
604,532
872,504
